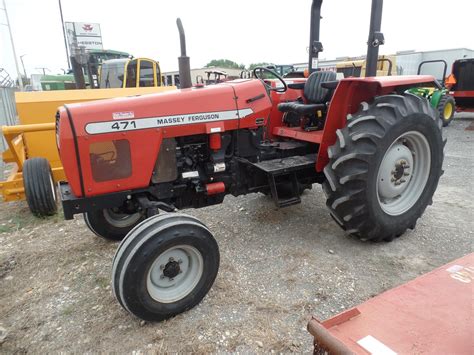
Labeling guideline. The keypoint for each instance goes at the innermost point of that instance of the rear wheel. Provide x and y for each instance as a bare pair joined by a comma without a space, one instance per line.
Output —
40,190
165,266
446,108
112,223
384,167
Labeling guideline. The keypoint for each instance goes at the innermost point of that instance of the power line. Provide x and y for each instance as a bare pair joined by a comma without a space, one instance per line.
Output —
20,79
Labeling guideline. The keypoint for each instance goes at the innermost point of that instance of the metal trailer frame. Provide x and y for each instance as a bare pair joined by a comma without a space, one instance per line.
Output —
430,314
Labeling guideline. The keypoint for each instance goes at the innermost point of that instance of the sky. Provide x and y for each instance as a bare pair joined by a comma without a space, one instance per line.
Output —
245,31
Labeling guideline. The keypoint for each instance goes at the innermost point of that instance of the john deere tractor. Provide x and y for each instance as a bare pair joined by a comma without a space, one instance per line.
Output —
438,95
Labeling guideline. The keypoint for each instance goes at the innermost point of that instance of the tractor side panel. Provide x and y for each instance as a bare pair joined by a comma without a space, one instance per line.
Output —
123,159
119,139
251,94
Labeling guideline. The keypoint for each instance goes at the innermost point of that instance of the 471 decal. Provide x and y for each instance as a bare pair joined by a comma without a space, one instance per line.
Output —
123,125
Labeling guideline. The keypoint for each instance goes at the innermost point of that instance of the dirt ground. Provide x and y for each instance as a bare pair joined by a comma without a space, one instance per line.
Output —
278,267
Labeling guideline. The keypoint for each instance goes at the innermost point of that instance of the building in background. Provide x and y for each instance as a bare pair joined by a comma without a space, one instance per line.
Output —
407,62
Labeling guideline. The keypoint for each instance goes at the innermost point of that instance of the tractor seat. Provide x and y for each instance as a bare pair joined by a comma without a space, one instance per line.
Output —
316,95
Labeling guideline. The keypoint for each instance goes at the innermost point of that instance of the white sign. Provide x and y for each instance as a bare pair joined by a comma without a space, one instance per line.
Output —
84,34
90,42
165,121
87,29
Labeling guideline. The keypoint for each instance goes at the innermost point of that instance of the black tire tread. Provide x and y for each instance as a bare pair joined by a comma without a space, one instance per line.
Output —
131,244
441,104
41,198
347,170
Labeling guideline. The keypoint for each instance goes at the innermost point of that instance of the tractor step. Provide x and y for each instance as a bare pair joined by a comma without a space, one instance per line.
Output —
286,165
282,177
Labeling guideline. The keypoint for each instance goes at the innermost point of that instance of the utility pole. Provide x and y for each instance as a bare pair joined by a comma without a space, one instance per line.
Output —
64,34
23,65
20,79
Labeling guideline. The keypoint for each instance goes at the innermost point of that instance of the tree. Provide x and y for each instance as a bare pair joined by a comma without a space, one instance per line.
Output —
224,63
263,64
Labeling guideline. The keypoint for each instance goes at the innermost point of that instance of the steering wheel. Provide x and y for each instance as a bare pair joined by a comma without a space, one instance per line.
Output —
260,70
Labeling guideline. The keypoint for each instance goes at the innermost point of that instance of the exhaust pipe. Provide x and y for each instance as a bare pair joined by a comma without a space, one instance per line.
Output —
183,60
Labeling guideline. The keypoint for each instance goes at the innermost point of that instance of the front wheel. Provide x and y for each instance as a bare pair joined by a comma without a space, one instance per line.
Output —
384,167
165,266
112,223
446,108
40,190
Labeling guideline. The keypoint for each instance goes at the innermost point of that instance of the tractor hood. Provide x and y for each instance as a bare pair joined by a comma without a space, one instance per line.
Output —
140,123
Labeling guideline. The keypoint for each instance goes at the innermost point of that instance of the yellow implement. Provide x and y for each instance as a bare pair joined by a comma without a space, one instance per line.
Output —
35,136
356,68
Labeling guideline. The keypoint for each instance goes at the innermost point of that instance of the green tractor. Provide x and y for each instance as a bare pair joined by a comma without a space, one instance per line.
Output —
438,96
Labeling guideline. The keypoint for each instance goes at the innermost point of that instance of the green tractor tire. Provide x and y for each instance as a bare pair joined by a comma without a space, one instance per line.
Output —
446,108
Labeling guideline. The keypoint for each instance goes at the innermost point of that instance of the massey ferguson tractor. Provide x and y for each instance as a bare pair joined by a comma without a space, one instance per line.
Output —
376,149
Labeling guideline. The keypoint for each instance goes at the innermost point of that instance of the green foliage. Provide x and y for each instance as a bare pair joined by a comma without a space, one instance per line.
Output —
225,63
263,64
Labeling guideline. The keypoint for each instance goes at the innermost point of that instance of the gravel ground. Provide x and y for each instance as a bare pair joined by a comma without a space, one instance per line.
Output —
278,267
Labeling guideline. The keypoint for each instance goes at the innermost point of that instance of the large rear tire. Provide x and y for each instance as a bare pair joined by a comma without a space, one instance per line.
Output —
446,109
384,167
165,266
40,190
112,224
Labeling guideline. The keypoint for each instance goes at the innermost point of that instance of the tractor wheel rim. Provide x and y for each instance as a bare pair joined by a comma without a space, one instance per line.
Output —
448,111
403,173
121,220
175,273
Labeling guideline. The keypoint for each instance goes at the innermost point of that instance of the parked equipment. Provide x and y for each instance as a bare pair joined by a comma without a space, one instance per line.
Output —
215,77
430,314
130,73
377,151
461,84
357,68
438,95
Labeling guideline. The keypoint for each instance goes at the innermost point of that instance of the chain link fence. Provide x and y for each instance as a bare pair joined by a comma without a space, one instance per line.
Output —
8,117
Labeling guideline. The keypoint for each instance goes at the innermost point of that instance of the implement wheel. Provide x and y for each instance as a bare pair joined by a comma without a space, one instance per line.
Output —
446,108
384,167
165,266
111,223
40,190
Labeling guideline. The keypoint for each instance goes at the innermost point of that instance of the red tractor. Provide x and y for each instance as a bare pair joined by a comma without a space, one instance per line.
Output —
377,151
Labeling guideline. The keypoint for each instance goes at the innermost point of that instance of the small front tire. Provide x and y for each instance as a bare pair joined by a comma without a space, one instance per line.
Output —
446,108
165,266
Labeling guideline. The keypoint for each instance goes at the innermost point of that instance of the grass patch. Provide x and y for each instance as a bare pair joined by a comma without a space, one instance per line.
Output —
102,282
68,310
5,229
